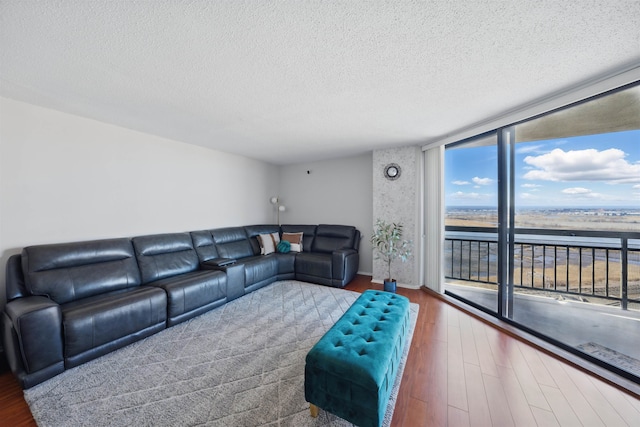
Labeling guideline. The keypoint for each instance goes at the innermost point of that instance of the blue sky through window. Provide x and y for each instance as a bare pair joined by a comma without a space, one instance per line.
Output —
600,170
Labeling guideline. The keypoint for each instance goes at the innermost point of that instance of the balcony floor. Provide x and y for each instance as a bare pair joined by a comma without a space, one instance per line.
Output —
607,333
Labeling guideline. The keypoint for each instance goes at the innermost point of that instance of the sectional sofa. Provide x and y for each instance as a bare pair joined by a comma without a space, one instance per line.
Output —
69,303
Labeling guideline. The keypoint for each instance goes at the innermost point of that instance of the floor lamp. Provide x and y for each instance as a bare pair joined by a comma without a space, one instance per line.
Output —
279,208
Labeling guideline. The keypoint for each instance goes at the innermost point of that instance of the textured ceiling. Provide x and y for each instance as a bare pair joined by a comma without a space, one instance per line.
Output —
295,81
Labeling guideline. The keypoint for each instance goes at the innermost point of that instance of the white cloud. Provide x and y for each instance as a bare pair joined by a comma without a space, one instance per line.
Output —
470,196
458,182
529,149
636,186
576,190
482,181
531,185
583,165
579,193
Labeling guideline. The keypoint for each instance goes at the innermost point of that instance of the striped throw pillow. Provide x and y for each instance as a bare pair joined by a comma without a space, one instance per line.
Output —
268,243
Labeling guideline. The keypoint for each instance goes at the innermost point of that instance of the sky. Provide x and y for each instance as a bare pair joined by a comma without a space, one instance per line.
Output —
600,170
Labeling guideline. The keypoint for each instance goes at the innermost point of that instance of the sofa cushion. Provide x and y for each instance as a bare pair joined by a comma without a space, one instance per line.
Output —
259,268
187,293
286,264
314,264
165,255
232,242
330,238
66,272
97,320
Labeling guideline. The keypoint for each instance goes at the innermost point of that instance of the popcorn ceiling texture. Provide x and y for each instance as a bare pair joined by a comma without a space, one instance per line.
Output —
289,81
397,201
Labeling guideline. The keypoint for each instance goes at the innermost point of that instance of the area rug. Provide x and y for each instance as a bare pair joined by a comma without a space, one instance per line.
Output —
612,357
241,364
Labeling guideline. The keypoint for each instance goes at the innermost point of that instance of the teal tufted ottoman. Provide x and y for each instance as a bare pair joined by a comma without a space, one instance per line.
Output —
351,370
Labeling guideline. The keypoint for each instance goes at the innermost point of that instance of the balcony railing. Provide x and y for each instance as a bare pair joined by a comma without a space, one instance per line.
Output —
600,264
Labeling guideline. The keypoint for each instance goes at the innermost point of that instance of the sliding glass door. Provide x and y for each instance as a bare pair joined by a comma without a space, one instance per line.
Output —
543,227
471,220
577,220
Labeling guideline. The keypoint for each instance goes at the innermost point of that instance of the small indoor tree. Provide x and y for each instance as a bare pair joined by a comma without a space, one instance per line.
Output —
389,245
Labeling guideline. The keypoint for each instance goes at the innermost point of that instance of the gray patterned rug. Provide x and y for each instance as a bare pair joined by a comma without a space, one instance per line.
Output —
241,364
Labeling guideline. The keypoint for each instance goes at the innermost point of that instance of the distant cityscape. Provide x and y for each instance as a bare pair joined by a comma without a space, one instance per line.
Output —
582,218
570,210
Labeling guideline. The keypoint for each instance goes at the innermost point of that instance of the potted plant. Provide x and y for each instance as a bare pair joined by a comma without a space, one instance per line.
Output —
389,245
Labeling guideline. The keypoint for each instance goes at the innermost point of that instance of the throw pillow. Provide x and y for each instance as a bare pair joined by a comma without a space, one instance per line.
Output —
284,247
268,243
295,239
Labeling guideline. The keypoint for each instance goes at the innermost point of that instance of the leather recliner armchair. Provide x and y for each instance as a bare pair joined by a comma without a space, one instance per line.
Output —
77,301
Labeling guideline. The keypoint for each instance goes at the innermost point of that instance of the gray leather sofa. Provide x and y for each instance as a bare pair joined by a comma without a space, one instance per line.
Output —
72,302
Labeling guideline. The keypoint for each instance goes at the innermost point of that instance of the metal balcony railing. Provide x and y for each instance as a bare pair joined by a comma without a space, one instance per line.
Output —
602,264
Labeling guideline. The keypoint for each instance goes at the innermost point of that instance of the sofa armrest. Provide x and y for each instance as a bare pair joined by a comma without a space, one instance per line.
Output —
340,262
37,324
234,271
217,263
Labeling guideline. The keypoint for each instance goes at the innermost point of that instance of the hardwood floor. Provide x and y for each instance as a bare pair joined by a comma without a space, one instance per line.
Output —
14,411
463,372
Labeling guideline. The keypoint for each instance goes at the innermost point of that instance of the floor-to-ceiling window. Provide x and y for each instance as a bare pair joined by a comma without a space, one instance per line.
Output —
543,226
471,219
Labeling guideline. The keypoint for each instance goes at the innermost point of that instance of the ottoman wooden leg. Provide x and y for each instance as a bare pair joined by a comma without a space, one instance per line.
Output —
314,410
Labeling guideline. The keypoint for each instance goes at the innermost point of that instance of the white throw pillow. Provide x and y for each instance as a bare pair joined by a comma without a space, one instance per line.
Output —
295,239
268,243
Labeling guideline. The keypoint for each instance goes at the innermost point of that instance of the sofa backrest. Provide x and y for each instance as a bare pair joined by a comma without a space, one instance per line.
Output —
204,245
70,271
254,230
232,242
308,234
165,255
330,238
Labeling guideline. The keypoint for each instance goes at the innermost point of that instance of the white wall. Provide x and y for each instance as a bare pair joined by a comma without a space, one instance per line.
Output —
400,201
66,178
333,192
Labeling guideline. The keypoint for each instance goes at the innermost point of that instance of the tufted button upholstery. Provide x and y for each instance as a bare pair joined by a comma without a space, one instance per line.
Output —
351,370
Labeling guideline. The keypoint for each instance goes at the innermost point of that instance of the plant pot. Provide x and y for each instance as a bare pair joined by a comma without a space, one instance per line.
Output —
390,286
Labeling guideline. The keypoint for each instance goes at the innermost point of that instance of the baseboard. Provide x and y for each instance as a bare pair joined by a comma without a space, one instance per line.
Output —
400,285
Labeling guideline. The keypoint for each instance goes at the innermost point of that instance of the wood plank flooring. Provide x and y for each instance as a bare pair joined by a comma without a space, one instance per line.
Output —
463,372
